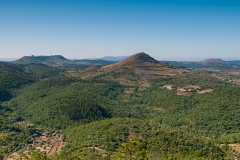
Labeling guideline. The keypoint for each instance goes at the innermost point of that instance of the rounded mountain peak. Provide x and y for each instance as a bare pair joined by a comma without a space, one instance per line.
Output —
141,57
137,60
213,61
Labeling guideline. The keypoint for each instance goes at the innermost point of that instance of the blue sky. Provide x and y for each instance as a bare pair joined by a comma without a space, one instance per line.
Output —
164,29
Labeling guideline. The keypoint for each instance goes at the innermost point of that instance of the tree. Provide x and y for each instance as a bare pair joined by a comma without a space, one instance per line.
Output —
3,138
36,156
135,149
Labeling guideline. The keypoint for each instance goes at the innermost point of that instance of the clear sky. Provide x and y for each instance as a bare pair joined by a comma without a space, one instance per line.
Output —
164,29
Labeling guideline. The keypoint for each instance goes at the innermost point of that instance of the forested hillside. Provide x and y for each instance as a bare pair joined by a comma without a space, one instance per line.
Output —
140,109
105,139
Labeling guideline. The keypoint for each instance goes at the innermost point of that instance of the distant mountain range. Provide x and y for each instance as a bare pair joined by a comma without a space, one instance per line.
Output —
106,58
217,62
112,58
58,60
211,61
8,59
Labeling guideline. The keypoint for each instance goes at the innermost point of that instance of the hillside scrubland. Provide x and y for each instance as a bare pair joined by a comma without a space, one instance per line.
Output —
138,108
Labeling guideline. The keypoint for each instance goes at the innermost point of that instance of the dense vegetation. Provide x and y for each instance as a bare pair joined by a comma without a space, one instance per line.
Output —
103,118
16,136
105,137
62,101
218,110
41,71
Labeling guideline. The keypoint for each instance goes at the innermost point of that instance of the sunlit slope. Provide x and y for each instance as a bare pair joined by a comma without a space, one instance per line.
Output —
107,136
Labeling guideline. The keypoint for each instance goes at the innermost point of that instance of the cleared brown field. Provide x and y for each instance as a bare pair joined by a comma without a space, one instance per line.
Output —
51,145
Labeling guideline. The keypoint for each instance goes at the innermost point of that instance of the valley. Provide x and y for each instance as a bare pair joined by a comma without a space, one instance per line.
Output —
137,107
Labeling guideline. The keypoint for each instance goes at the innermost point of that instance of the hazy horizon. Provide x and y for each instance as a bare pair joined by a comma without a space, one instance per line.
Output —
190,60
165,29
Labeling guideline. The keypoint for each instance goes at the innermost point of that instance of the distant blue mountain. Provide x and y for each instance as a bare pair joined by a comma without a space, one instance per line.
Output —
113,58
8,59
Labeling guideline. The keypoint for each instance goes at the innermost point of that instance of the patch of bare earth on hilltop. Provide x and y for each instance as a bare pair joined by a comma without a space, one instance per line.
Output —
159,109
205,91
187,90
236,147
234,150
168,87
